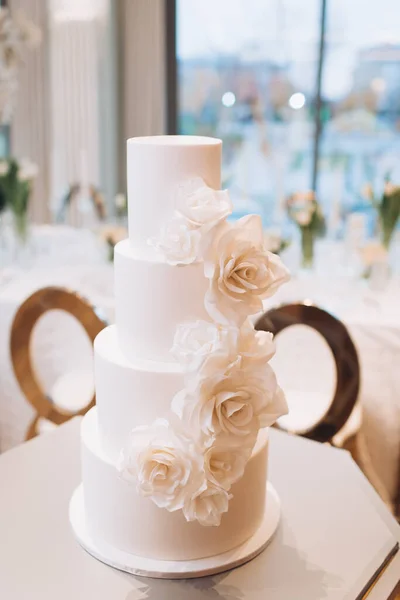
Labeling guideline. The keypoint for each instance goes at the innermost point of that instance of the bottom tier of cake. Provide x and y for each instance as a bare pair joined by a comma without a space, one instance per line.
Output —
118,516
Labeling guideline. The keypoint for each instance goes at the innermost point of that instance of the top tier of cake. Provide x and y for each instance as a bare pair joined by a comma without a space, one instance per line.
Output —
156,166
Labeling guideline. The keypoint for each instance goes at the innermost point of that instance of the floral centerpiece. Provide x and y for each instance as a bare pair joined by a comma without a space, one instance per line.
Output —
304,209
387,207
16,179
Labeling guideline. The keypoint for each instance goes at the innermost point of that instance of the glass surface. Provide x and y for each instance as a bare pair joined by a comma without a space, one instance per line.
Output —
360,140
247,74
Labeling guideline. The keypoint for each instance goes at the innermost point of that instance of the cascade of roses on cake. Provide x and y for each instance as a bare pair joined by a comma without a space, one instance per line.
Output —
190,460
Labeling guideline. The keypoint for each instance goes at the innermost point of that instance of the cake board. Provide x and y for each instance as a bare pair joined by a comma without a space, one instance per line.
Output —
164,569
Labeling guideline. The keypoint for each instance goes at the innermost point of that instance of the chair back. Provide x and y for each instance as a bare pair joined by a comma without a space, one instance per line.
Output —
344,354
42,301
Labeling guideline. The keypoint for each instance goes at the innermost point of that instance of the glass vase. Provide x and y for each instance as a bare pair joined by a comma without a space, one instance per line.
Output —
307,247
21,248
20,223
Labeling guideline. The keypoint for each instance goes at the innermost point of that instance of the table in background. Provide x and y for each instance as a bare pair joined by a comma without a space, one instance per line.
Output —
308,559
59,343
373,320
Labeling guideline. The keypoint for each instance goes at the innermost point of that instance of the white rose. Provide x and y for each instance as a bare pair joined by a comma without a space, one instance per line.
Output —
4,166
208,506
202,206
178,243
163,465
206,347
256,348
27,170
224,464
233,406
303,217
241,271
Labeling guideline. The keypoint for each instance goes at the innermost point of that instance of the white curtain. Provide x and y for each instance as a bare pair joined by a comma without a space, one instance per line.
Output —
141,28
31,123
97,79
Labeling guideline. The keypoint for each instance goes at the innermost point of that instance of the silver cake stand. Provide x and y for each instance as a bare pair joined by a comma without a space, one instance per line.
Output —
166,569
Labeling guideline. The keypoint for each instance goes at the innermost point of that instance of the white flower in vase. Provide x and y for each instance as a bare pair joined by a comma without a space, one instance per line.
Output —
241,271
303,217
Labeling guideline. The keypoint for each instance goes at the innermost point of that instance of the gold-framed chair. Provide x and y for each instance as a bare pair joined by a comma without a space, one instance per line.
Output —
39,303
344,354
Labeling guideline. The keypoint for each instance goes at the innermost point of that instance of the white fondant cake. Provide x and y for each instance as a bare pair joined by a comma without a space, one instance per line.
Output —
174,455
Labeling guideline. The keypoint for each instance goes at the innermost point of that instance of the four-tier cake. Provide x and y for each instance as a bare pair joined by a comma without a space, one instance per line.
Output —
174,455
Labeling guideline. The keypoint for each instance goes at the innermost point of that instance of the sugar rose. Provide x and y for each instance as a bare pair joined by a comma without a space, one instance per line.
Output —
224,464
162,465
232,407
208,506
241,271
202,206
178,242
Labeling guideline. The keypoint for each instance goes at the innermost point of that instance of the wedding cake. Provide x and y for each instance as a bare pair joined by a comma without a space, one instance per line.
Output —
174,455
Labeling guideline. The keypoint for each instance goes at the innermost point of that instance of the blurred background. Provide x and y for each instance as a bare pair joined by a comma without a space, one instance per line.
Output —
306,98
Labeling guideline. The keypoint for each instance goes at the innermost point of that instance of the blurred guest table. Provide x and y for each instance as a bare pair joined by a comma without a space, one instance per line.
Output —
304,362
59,345
49,246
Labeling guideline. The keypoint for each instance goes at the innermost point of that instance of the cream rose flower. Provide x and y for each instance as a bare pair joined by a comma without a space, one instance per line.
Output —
202,346
224,465
304,216
256,348
208,506
206,348
178,242
198,210
232,407
163,465
241,271
202,206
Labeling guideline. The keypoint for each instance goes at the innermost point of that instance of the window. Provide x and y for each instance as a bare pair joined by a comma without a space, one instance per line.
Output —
248,76
247,72
360,141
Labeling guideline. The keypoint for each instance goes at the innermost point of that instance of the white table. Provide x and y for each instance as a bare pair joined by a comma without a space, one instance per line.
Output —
311,557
